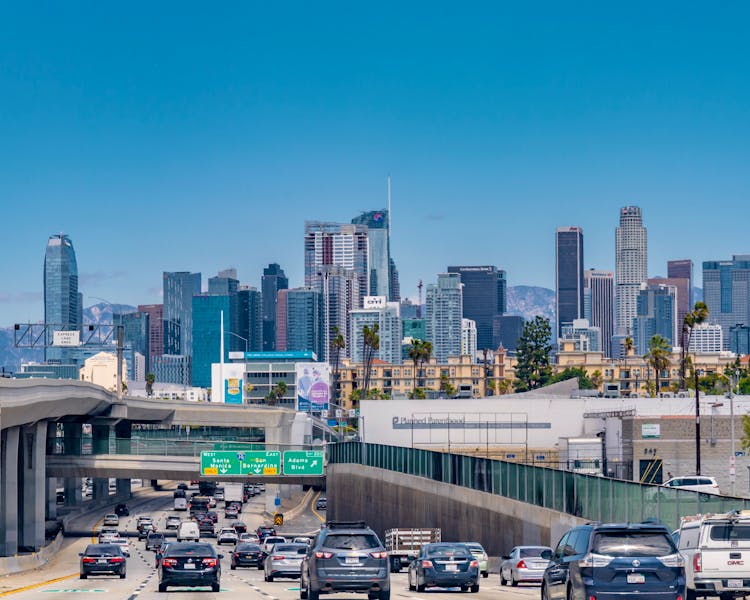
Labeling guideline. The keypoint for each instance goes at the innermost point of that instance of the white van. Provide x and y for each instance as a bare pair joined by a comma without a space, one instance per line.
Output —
188,532
705,485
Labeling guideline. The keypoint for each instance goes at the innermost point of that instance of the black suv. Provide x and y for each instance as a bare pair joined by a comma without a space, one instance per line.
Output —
190,564
615,561
345,556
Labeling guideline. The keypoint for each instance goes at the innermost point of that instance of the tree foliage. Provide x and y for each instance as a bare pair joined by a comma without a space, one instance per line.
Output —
533,368
419,352
371,342
659,351
695,317
584,381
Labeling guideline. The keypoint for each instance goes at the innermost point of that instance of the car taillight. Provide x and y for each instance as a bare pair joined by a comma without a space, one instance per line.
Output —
236,554
382,554
474,564
117,559
426,564
209,562
323,554
169,562
88,560
697,562
521,565
278,557
592,560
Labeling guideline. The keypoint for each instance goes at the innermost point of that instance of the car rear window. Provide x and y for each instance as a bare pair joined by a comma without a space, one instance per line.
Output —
102,550
352,541
632,543
190,550
531,552
475,547
455,551
247,548
288,548
725,532
156,536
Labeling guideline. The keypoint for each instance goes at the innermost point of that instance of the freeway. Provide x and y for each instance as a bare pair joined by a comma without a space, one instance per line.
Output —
60,577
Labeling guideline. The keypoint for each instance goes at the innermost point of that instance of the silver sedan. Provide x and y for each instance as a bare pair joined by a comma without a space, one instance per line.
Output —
524,564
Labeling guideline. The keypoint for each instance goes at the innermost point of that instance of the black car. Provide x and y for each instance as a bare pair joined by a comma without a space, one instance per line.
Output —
321,503
213,515
615,561
154,541
144,529
206,527
121,510
190,564
264,531
247,555
239,527
102,559
444,565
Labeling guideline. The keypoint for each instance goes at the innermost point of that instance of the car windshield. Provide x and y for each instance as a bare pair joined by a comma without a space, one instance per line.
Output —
247,548
352,541
531,552
635,543
454,551
726,532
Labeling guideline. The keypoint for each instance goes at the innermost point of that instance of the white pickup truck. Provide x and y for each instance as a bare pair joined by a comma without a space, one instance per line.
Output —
716,549
404,545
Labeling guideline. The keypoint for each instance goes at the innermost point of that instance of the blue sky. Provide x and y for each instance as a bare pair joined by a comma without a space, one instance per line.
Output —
176,136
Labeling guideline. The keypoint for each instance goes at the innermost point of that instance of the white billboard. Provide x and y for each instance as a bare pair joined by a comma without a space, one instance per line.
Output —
66,338
313,386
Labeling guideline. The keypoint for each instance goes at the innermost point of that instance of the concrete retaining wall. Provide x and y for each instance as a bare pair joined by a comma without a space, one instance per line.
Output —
388,499
26,562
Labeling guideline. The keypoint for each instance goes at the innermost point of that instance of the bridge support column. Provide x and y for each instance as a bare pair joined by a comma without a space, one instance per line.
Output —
51,486
100,445
31,507
9,492
72,434
123,433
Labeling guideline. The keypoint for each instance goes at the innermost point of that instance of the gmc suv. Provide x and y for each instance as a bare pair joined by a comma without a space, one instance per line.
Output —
345,557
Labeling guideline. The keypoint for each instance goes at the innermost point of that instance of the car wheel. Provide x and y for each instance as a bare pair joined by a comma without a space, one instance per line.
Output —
384,595
475,588
464,588
216,587
513,581
162,587
545,593
83,576
302,591
502,578
420,587
313,594
269,578
485,574
233,567
260,567
122,575
690,594
569,593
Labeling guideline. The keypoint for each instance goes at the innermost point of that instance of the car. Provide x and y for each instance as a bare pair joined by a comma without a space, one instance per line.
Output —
268,544
123,544
284,561
198,515
479,553
60,498
301,540
227,535
190,564
250,538
144,529
230,512
264,531
213,515
524,564
212,502
615,560
345,557
246,555
173,523
188,530
111,519
444,565
154,540
235,504
206,526
102,559
706,485
182,486
219,493
143,519
321,503
107,534
122,510
239,526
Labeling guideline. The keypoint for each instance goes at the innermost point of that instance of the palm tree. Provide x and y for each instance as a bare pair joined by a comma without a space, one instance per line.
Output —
659,351
695,317
338,344
419,352
371,341
150,379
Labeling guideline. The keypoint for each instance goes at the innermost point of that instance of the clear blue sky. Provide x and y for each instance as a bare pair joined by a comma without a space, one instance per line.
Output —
176,136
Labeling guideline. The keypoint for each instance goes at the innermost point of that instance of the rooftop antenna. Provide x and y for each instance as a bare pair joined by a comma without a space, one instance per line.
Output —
419,305
389,205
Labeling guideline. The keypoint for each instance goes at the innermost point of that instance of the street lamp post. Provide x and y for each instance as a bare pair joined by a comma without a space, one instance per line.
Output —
244,339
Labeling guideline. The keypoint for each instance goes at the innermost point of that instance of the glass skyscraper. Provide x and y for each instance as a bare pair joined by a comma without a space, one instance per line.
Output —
303,320
206,334
599,303
568,275
726,292
379,252
62,303
249,317
484,293
656,315
443,314
273,280
179,289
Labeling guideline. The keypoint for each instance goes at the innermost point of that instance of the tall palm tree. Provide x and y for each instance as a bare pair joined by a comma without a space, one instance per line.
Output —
695,317
659,351
337,344
419,352
371,341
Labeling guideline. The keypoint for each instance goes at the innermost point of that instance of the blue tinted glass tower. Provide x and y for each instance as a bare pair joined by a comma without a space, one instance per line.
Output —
62,302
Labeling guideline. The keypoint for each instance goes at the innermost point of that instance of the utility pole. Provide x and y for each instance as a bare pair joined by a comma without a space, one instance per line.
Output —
119,361
697,423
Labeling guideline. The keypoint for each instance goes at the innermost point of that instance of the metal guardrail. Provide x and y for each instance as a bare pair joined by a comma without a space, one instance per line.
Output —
587,496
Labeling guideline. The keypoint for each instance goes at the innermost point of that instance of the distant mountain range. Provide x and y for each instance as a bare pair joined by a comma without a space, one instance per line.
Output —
530,301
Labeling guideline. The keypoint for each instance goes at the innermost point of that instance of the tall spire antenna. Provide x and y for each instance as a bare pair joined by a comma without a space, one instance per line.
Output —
389,205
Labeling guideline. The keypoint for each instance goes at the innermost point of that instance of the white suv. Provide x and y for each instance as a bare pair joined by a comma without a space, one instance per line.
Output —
695,483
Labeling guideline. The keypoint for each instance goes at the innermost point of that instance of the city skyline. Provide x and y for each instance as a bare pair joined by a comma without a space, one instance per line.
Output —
174,156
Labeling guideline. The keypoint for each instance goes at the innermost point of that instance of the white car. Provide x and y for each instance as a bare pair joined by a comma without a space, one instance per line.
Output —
227,535
111,519
123,543
695,483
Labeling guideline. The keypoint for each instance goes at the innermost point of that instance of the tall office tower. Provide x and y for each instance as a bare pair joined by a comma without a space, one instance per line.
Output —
680,274
599,305
135,335
443,314
273,280
656,315
379,261
155,314
337,245
249,322
469,338
340,294
706,338
631,267
179,289
395,283
580,336
301,325
506,331
681,286
568,275
206,334
726,292
484,292
62,302
377,311
225,283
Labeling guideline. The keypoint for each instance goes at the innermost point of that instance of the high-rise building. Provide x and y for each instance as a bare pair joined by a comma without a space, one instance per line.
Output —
135,335
443,314
681,287
395,283
249,322
379,261
568,275
631,267
706,338
726,292
155,313
337,245
62,302
580,336
469,338
484,298
656,315
302,321
680,272
599,305
273,280
206,335
179,289
340,294
377,311
506,331
224,284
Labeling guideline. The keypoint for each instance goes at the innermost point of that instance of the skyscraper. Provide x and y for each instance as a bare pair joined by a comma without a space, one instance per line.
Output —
379,252
469,338
340,294
377,311
568,275
631,267
273,280
484,297
599,305
155,314
301,325
179,289
206,334
657,315
135,335
680,274
726,292
443,314
62,302
225,283
249,323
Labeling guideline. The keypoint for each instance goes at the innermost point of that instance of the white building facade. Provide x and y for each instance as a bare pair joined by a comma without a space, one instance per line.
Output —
386,315
631,267
469,338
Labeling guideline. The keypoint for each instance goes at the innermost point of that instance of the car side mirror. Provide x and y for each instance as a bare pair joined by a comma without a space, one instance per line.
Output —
505,557
80,554
221,556
546,554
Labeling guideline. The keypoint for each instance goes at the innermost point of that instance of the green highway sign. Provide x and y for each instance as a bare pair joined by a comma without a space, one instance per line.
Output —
303,462
238,462
237,446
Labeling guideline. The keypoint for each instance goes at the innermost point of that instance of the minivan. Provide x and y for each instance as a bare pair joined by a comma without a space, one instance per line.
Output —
705,485
188,532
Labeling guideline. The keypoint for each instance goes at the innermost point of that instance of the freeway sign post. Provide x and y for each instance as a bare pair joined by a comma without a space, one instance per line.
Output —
228,462
303,462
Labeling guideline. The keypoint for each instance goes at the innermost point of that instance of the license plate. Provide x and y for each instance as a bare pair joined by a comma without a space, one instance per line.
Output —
734,583
189,566
351,560
102,561
636,578
451,567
